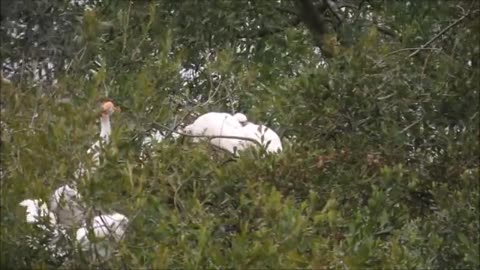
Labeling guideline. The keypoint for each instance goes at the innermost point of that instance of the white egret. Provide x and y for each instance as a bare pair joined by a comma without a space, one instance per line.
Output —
107,230
107,109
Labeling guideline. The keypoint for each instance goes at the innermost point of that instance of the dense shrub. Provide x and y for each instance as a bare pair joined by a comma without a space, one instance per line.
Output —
380,164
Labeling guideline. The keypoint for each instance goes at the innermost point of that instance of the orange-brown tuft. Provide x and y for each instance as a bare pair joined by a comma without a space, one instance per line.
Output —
108,105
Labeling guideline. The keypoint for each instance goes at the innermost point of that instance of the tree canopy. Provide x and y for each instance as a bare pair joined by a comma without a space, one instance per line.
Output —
376,102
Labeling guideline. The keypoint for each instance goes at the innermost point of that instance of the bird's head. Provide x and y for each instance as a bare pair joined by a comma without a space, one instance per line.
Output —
108,107
241,118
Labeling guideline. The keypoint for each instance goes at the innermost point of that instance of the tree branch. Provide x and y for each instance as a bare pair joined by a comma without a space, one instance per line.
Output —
385,30
315,21
440,34
312,19
382,61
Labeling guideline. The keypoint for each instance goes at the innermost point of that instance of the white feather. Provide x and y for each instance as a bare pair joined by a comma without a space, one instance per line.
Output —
95,149
66,203
242,118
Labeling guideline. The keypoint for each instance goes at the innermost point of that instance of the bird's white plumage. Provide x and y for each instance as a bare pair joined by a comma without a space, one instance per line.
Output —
36,210
218,124
105,131
212,124
95,149
36,213
107,230
103,226
224,124
66,203
154,137
264,135
241,118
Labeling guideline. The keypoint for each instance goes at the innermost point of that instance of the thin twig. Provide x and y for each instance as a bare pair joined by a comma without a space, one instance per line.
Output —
440,34
179,123
231,99
410,49
402,50
409,126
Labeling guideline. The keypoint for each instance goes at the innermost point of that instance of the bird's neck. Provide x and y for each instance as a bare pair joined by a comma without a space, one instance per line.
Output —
105,127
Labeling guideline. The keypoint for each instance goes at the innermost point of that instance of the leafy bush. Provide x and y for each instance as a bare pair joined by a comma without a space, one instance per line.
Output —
380,164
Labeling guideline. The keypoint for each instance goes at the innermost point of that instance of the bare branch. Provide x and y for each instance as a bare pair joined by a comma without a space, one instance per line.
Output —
411,49
315,21
440,33
385,30
312,19
403,50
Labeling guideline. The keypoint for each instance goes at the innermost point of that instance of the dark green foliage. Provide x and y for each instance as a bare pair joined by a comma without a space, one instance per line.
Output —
381,149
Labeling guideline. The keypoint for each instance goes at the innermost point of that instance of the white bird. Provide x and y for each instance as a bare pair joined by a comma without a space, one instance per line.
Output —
67,205
107,109
224,124
107,230
219,124
37,211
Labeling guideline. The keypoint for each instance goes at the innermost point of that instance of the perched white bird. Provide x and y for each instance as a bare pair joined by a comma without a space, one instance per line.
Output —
107,109
67,205
224,124
219,124
107,230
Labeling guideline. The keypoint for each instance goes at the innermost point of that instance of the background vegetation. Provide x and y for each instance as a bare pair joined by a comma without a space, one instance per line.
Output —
376,102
